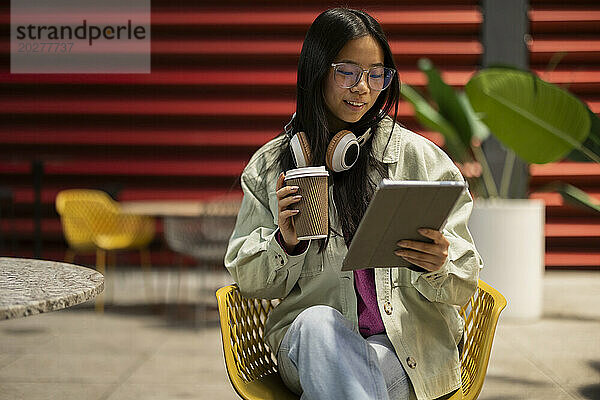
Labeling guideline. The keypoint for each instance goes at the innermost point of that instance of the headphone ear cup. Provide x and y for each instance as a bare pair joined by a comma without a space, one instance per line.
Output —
342,151
301,150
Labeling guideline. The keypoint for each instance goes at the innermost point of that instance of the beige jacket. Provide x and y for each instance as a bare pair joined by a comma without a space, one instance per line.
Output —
419,310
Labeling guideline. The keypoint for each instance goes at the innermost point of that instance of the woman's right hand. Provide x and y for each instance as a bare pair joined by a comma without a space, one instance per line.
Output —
286,195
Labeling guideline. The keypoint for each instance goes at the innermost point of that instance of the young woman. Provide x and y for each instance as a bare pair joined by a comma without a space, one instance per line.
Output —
374,333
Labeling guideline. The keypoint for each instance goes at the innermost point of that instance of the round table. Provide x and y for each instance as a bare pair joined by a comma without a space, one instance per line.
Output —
30,286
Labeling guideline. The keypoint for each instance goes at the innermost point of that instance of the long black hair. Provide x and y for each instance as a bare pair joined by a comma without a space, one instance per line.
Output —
328,34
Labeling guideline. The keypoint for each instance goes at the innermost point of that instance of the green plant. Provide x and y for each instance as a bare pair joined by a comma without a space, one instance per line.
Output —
536,120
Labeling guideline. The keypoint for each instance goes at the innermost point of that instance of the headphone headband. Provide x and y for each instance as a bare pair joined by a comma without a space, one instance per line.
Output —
288,127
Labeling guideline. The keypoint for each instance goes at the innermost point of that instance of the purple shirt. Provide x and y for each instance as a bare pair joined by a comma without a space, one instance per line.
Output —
369,318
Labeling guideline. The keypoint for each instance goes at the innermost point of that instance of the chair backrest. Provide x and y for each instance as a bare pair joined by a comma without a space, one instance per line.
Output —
252,368
84,194
92,207
204,238
77,230
101,216
481,315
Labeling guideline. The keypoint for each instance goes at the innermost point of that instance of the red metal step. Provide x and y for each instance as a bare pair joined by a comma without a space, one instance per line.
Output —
124,137
436,18
573,259
25,195
130,167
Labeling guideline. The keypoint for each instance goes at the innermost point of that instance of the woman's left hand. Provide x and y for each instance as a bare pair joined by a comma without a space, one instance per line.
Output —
430,256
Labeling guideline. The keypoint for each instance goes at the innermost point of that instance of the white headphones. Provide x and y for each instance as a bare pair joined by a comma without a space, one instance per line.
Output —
342,151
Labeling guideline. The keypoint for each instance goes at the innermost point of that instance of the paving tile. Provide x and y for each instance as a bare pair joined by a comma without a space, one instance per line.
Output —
71,368
76,332
512,375
7,358
181,369
556,337
572,294
202,343
74,320
129,391
83,320
508,365
574,370
128,342
589,391
53,390
20,337
566,351
494,389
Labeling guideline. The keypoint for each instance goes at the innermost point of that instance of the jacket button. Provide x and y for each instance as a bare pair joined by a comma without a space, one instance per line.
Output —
282,262
387,307
411,362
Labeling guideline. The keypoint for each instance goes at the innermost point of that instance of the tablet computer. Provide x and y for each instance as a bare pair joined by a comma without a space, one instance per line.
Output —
396,211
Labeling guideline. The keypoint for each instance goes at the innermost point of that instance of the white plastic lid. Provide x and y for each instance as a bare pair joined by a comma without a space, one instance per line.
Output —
306,171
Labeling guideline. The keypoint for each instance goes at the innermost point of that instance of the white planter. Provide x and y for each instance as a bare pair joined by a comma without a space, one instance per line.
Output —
509,235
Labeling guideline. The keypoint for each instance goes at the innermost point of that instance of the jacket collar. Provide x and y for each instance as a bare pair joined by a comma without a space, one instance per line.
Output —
384,150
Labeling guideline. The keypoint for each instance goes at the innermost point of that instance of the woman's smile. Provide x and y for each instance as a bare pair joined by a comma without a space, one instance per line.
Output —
355,105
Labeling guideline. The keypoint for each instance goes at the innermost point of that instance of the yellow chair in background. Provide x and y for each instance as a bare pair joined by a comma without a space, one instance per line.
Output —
252,367
78,235
93,214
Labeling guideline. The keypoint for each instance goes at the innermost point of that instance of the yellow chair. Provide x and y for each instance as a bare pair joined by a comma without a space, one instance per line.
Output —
252,367
76,232
93,214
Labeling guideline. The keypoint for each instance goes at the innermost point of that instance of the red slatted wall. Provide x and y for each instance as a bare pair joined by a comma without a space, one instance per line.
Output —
572,235
222,84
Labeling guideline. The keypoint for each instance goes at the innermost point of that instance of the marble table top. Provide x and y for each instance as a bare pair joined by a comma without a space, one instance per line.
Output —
30,286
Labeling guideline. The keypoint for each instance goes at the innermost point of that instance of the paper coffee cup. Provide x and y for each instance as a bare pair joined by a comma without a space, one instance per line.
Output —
312,222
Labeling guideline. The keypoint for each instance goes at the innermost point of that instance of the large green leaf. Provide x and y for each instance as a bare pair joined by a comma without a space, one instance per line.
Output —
578,198
479,130
447,101
541,122
592,142
432,119
573,195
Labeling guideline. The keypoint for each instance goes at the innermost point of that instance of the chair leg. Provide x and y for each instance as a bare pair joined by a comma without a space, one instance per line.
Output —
111,262
202,285
166,283
179,262
146,265
100,264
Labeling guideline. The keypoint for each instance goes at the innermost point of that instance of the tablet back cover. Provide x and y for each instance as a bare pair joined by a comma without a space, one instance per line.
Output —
396,211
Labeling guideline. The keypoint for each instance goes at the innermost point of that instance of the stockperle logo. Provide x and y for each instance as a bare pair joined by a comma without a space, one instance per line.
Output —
80,36
83,31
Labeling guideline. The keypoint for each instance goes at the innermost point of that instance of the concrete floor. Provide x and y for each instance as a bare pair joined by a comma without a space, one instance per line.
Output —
147,347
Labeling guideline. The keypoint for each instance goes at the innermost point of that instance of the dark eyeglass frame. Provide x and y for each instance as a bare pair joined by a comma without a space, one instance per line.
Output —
338,64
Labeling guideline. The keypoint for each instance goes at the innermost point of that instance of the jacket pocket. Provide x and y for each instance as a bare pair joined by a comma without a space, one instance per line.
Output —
311,270
313,263
453,320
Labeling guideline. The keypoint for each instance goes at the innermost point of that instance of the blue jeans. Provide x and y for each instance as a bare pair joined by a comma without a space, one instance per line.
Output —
322,357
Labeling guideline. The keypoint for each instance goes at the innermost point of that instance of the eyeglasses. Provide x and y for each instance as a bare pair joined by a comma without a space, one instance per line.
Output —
347,75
